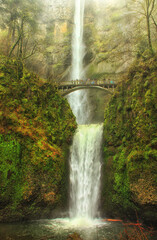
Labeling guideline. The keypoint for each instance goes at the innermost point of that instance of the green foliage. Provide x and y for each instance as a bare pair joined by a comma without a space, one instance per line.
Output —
122,193
36,127
10,169
130,129
20,22
141,47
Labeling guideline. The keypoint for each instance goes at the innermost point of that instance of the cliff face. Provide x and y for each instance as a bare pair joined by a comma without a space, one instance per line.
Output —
108,49
114,35
36,128
130,145
109,46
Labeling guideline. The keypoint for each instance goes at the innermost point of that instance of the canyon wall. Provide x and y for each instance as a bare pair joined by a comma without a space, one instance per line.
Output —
114,35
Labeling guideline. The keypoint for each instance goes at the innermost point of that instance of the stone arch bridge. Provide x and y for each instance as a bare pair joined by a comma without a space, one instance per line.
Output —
68,87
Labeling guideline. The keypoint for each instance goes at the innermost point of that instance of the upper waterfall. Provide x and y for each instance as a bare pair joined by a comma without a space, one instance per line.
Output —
78,101
78,47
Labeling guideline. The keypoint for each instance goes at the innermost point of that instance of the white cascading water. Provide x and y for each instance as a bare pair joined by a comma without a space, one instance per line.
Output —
78,100
85,159
85,171
77,41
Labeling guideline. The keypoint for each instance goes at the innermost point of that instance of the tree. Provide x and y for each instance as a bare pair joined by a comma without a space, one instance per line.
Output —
20,18
148,9
147,6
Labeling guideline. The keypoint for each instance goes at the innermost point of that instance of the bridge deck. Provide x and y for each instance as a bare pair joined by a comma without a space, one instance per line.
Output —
80,83
71,86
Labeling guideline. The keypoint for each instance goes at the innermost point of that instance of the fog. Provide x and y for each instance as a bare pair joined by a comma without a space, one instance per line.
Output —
54,3
113,32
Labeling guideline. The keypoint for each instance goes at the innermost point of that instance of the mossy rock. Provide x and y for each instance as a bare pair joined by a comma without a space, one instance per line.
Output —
36,127
130,129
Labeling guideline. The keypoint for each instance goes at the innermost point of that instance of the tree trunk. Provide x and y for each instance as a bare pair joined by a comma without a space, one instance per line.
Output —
21,40
16,43
148,34
149,10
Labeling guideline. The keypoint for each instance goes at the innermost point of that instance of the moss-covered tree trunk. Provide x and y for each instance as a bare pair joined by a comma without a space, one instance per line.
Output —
149,32
149,9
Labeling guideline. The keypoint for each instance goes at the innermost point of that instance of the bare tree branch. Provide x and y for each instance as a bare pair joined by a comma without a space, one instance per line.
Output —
153,3
32,52
154,21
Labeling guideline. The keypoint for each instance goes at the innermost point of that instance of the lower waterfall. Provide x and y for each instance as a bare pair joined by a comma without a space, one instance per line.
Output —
85,171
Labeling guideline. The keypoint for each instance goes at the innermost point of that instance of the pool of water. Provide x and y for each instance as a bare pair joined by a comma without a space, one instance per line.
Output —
60,229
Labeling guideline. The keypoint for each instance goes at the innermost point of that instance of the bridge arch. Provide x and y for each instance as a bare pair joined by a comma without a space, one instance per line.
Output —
77,88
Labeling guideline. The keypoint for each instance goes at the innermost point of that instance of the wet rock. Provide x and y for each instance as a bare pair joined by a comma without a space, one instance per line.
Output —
74,236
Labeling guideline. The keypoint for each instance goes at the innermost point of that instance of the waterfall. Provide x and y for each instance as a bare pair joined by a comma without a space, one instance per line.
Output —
85,169
77,41
78,100
85,156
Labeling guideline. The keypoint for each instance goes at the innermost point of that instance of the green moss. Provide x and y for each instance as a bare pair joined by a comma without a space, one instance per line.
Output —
130,128
10,169
36,125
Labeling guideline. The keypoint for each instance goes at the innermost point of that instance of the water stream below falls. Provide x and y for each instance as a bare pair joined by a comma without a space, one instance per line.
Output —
60,229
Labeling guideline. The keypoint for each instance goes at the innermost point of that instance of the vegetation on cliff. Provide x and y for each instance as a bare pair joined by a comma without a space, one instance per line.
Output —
130,134
36,126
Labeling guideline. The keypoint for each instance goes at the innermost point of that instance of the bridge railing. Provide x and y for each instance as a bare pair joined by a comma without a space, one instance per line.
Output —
86,82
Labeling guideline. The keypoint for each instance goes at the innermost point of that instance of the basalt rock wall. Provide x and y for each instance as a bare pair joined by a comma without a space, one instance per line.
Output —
110,37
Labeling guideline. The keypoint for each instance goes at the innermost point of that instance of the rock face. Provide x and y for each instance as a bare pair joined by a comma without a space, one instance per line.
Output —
113,36
54,58
108,46
130,146
36,128
98,99
109,55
